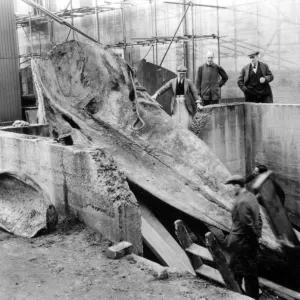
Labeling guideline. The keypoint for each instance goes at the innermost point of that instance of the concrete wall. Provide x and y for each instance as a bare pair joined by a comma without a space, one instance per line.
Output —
244,135
221,127
39,130
273,139
78,180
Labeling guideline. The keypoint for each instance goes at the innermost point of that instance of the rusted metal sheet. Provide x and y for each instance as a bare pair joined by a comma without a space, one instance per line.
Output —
152,77
10,97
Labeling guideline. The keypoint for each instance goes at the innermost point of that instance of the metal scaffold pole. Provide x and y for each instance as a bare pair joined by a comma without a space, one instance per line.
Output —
193,42
72,19
218,32
124,26
155,24
97,20
30,34
174,35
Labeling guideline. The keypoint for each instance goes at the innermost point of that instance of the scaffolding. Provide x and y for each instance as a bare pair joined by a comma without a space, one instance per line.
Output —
71,13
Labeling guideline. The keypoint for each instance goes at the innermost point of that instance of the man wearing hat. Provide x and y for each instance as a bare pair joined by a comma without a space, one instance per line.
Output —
210,78
185,100
254,81
243,237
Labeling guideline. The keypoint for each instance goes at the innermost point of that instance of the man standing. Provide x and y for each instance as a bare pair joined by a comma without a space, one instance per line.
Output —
207,81
254,81
243,237
185,100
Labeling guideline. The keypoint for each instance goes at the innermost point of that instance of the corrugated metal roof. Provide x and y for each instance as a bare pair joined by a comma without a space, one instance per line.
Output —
10,96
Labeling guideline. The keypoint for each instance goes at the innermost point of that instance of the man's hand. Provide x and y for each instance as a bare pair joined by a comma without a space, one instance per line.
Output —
262,79
199,106
154,97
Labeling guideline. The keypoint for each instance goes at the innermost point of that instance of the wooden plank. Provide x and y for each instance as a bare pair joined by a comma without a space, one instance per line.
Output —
278,289
186,242
221,263
200,251
297,234
279,220
211,273
163,245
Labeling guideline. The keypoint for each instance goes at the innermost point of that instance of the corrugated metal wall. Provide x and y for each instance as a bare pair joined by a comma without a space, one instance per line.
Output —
10,96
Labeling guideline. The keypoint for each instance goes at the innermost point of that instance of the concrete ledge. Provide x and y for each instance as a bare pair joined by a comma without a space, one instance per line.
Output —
78,180
39,130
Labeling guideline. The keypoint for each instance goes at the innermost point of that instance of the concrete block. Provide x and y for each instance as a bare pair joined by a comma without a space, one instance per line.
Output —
79,180
119,250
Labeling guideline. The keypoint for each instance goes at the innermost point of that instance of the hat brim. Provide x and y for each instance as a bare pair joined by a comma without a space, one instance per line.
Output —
235,182
253,54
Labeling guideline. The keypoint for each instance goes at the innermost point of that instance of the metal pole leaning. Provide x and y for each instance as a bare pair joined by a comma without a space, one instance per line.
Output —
189,4
59,20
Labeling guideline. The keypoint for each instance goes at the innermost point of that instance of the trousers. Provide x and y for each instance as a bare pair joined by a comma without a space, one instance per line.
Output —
258,98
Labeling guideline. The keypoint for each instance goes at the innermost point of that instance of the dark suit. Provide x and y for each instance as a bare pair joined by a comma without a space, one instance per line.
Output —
246,82
208,84
243,241
189,91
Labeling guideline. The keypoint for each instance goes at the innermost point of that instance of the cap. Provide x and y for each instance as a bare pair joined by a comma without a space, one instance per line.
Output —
235,179
261,168
181,68
253,53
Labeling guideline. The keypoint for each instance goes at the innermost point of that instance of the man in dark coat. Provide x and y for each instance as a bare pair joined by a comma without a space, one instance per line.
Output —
254,81
207,82
243,237
185,100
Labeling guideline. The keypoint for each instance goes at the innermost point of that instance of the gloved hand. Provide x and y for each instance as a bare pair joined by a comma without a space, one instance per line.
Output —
262,79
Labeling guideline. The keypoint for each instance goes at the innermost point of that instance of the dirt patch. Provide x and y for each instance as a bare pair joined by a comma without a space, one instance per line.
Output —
71,264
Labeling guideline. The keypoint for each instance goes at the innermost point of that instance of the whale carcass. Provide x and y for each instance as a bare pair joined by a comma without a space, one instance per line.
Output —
92,94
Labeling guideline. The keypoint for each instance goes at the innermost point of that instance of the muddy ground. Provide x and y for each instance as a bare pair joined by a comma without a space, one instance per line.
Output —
71,264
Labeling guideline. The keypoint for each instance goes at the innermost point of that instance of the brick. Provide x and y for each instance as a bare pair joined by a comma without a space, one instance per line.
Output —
119,250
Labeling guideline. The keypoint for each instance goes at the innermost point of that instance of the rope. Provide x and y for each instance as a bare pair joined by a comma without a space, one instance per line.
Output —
136,105
147,52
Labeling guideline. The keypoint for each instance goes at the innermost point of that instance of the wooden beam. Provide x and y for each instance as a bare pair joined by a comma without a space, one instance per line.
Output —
162,244
210,273
221,263
200,251
279,220
279,289
186,241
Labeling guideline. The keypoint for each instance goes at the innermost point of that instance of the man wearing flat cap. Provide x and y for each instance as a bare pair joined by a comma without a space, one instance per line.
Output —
185,100
243,237
254,81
